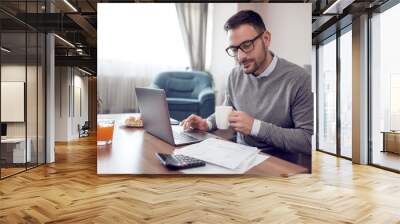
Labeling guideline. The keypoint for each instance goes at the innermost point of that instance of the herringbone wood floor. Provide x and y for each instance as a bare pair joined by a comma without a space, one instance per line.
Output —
69,191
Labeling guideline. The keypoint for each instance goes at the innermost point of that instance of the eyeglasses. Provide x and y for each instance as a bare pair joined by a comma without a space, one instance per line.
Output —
245,46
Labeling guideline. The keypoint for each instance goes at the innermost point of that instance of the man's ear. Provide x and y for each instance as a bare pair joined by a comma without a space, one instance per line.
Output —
266,38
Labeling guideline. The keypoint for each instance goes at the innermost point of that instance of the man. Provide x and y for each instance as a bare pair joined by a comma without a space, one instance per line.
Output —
271,97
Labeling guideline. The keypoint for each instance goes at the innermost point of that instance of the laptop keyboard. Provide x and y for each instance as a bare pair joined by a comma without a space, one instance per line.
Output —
182,137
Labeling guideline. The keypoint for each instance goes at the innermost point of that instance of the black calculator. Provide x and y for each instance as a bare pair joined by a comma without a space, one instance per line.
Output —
178,162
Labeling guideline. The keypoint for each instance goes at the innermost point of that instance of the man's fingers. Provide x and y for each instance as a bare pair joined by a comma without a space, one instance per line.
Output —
190,122
190,118
234,119
234,113
187,123
182,123
185,126
236,125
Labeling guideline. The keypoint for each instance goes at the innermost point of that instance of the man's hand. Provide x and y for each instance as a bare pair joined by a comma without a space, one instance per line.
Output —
241,122
194,122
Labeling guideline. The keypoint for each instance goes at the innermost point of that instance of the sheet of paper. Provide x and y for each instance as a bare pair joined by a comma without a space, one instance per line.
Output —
214,169
219,152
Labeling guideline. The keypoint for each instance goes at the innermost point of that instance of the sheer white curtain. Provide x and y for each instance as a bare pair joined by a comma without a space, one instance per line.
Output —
193,22
135,43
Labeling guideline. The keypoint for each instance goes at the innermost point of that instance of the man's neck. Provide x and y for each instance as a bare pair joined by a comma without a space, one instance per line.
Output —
265,64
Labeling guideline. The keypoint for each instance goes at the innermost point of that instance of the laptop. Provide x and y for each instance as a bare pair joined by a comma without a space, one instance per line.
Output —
156,120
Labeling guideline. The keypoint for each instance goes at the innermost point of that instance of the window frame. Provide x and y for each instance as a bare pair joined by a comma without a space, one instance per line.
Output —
334,37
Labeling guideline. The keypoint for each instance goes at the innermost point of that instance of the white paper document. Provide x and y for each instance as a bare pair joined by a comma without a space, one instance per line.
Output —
220,152
214,169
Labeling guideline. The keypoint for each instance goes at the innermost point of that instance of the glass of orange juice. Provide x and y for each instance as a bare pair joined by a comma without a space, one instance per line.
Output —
105,130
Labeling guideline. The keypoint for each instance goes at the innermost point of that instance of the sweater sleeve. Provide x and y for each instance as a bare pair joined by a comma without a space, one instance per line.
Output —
212,125
298,138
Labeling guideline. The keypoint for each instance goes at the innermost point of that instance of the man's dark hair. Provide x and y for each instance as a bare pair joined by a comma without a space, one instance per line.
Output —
245,17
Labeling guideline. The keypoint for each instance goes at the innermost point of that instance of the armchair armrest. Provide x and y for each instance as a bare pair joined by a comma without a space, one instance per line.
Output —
206,94
206,98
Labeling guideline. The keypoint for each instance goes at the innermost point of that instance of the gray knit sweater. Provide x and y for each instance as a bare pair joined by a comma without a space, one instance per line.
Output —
282,101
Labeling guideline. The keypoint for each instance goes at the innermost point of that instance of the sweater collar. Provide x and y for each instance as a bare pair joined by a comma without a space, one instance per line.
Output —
270,67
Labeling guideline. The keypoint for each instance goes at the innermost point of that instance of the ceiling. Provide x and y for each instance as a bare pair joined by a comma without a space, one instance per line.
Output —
76,22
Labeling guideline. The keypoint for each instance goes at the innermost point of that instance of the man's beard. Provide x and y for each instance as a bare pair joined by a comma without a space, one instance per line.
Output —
255,63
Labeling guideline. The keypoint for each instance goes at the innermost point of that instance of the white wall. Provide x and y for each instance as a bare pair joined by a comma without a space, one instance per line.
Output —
290,27
80,83
61,103
68,82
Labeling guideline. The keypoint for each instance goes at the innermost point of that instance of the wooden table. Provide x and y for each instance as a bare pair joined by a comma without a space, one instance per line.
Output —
15,152
391,141
133,149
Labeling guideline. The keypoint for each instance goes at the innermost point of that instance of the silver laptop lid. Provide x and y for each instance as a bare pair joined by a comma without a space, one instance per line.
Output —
154,111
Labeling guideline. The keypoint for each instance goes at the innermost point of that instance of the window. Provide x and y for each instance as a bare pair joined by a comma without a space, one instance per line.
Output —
333,137
135,43
141,35
346,94
327,97
385,88
22,75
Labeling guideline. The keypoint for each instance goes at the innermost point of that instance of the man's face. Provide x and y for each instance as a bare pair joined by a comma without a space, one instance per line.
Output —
254,59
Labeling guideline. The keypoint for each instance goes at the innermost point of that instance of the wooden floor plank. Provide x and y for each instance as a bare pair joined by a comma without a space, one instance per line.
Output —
70,191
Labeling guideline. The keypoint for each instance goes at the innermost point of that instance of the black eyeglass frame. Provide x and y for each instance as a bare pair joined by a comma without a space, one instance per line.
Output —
251,41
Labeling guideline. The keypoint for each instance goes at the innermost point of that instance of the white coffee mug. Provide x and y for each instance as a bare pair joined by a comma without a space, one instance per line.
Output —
221,116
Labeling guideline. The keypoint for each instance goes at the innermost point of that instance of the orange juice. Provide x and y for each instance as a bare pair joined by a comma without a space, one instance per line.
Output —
105,130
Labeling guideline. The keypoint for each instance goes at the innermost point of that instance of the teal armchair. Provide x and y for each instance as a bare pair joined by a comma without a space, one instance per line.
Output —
188,92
